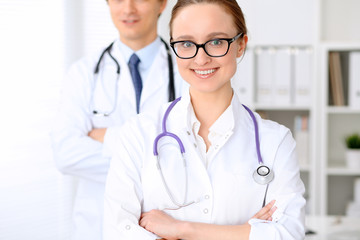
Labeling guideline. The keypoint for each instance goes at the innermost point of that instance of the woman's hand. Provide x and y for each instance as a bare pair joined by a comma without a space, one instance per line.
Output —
266,212
160,223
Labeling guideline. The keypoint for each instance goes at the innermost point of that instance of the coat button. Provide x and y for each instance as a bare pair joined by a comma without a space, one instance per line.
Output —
127,227
207,196
205,210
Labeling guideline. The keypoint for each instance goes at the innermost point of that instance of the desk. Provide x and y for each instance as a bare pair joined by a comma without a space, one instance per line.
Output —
333,228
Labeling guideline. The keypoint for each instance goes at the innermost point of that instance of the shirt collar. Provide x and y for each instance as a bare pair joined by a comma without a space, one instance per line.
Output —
224,124
146,54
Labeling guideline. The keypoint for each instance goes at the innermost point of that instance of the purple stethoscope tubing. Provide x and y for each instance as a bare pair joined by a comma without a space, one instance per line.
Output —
262,175
257,142
181,145
166,133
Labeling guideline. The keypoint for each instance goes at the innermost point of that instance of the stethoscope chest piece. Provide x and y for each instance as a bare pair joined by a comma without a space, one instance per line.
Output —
263,175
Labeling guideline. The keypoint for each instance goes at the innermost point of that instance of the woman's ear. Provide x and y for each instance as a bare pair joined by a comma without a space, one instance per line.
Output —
163,5
242,46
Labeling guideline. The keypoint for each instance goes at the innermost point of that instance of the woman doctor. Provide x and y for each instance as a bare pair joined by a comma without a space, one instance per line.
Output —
203,166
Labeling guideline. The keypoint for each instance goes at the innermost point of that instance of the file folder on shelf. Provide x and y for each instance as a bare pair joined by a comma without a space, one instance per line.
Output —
336,80
264,75
354,80
303,76
283,78
301,132
242,82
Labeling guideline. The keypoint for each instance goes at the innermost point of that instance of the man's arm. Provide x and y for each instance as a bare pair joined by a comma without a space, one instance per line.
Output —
76,153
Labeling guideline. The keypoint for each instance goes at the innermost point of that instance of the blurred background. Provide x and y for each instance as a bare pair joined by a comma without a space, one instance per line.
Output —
41,38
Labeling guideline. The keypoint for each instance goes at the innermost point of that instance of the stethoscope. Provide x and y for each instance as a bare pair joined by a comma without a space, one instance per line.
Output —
262,175
108,51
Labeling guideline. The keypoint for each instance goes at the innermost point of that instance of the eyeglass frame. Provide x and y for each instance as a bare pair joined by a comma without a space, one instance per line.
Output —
229,40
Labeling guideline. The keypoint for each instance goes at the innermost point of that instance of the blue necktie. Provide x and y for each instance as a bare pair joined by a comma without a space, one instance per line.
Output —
136,78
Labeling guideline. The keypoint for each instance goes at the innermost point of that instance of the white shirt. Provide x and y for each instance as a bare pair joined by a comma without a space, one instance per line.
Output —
219,133
146,56
224,191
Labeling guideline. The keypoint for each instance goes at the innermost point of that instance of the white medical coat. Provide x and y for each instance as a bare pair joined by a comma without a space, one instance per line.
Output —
77,154
225,191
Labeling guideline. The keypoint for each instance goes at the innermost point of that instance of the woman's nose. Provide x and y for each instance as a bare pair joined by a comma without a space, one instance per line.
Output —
201,57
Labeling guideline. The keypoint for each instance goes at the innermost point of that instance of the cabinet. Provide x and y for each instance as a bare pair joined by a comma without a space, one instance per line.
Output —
318,27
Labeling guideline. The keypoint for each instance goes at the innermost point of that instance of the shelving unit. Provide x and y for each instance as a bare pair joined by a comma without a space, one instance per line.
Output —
337,183
339,22
323,26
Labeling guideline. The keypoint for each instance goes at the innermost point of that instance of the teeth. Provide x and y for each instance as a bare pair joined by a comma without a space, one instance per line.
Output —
205,72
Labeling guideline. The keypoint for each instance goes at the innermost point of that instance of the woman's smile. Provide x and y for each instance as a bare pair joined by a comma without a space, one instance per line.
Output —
205,73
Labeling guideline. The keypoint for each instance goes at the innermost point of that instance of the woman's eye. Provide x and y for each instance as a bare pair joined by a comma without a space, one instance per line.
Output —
216,42
187,44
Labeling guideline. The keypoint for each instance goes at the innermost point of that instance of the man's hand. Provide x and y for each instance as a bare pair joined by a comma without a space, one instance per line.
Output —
97,134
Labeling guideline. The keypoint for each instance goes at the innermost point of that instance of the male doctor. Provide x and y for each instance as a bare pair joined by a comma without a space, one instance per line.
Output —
93,104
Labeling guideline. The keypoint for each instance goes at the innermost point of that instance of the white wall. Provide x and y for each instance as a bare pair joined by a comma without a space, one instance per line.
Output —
34,195
39,40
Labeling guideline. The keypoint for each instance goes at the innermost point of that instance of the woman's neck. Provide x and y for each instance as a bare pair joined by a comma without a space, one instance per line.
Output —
208,107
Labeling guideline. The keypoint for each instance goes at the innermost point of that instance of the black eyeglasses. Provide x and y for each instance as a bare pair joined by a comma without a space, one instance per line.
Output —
217,47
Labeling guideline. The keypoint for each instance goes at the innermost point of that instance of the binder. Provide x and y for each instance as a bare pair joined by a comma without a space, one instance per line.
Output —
303,76
301,130
354,80
336,81
264,75
283,78
242,82
357,190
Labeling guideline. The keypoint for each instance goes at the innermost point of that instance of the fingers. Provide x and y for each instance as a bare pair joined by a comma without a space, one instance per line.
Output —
145,217
270,213
266,212
265,209
142,221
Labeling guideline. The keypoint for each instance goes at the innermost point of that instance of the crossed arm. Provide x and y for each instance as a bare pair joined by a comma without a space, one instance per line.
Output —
165,226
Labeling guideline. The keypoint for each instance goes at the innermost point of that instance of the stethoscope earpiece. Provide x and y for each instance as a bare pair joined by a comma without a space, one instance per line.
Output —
263,175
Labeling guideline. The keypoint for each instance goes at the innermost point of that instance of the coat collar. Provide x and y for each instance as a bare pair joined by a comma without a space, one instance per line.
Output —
157,77
185,108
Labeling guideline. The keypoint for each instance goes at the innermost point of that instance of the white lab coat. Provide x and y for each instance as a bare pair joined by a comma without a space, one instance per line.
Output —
225,190
77,154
